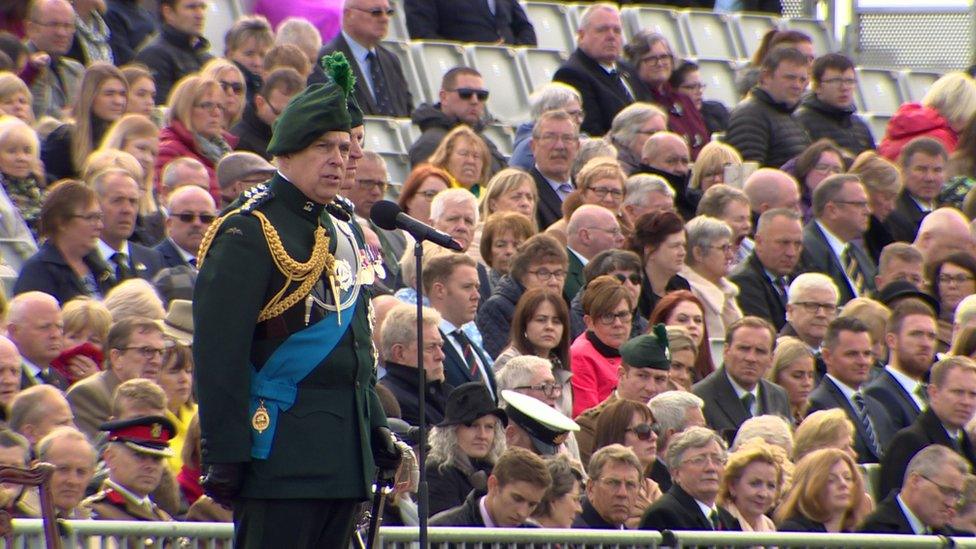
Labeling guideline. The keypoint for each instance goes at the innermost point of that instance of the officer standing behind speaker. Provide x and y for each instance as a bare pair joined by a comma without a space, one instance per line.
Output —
292,429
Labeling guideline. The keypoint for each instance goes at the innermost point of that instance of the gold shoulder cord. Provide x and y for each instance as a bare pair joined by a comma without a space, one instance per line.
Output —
307,273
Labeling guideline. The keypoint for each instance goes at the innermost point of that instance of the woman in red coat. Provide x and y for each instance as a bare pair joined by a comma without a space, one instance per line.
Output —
608,308
943,114
194,128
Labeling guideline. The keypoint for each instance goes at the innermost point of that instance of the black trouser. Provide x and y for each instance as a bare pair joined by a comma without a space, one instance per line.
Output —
294,523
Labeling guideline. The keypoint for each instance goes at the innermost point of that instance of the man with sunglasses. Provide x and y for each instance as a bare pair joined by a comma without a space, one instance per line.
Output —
641,376
494,22
191,210
461,100
118,197
591,230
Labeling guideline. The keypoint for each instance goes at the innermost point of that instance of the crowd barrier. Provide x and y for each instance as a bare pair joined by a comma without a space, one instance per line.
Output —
28,534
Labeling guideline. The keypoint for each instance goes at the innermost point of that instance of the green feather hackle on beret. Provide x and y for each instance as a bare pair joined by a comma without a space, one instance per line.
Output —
337,67
661,333
316,110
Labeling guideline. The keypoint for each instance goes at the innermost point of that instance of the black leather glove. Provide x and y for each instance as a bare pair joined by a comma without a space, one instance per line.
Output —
386,455
222,481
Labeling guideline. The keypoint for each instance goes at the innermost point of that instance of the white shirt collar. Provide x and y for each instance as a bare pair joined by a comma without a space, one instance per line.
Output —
187,256
705,509
836,244
579,256
917,525
485,515
107,251
848,391
32,368
910,385
921,205
358,50
741,391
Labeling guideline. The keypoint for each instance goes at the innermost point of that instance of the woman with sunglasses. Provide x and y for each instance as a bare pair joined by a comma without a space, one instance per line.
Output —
608,308
624,266
709,260
195,128
100,102
540,328
632,424
232,85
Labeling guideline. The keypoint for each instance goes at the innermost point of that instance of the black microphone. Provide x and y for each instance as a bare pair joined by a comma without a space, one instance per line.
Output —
388,215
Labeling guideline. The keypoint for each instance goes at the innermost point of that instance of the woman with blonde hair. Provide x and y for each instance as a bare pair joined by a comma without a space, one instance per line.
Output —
232,84
22,178
601,182
86,320
510,190
824,429
464,155
827,494
134,298
194,128
882,181
15,97
142,92
794,369
709,168
751,486
101,101
943,114
137,135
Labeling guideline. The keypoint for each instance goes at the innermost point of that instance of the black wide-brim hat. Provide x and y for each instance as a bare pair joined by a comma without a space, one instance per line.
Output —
468,402
903,289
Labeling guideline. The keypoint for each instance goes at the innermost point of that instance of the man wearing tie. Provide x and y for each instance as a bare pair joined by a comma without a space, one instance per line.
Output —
841,216
595,71
35,327
451,284
737,391
191,210
118,197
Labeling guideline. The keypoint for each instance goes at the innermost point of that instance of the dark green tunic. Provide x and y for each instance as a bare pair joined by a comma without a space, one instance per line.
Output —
321,448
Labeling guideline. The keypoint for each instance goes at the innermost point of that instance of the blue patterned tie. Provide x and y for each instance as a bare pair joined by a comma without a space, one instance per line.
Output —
862,416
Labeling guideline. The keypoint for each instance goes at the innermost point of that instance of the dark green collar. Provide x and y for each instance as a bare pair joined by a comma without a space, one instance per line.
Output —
295,200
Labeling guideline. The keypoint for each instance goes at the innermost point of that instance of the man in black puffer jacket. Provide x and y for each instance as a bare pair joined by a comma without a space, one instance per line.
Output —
829,112
761,127
180,48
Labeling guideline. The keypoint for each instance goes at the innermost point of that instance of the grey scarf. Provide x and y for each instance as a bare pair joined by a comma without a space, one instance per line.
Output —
94,38
213,149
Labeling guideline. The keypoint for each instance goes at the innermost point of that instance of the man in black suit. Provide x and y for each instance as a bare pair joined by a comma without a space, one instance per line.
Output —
381,88
451,284
191,210
515,487
35,328
555,144
764,277
595,71
606,506
118,196
846,351
591,230
811,306
952,403
495,21
911,339
923,162
398,349
841,215
696,459
737,391
934,484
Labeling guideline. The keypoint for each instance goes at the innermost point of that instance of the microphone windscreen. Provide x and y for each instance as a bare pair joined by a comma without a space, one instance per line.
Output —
384,214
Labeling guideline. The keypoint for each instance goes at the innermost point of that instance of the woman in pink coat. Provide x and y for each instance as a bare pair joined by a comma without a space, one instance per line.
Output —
943,113
608,307
194,128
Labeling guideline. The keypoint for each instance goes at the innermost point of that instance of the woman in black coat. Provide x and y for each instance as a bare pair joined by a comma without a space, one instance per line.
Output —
64,267
827,494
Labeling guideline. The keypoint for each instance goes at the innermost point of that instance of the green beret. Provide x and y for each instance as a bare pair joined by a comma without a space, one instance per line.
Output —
355,113
648,350
318,109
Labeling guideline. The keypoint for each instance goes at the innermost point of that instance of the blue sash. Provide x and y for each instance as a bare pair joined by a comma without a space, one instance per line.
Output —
276,385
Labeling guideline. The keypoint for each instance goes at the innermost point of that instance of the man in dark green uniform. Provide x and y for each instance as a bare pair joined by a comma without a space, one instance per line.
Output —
292,429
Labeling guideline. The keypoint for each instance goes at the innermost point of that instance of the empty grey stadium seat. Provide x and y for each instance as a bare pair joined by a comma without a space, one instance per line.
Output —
539,65
719,78
397,166
917,83
554,28
502,136
660,20
383,135
710,34
879,91
432,60
498,65
402,51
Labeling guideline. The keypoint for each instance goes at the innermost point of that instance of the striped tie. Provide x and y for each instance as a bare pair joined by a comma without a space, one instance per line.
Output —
467,352
862,416
853,269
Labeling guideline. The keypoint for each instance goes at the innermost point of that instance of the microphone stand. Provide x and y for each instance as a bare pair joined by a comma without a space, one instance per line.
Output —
422,511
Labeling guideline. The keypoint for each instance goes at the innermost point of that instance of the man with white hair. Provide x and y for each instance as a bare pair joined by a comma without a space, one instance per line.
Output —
674,412
593,69
591,230
555,145
811,305
646,193
191,210
398,349
841,216
553,96
455,212
34,325
942,232
666,154
118,197
630,130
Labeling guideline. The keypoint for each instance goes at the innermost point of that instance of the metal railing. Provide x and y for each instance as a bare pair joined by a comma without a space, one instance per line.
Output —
28,534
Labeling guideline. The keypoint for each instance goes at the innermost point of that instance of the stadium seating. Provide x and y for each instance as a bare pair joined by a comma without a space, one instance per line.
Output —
383,135
879,91
917,83
402,51
709,34
554,28
398,167
823,38
502,136
398,24
221,15
719,78
498,65
660,20
878,123
538,65
432,60
749,30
